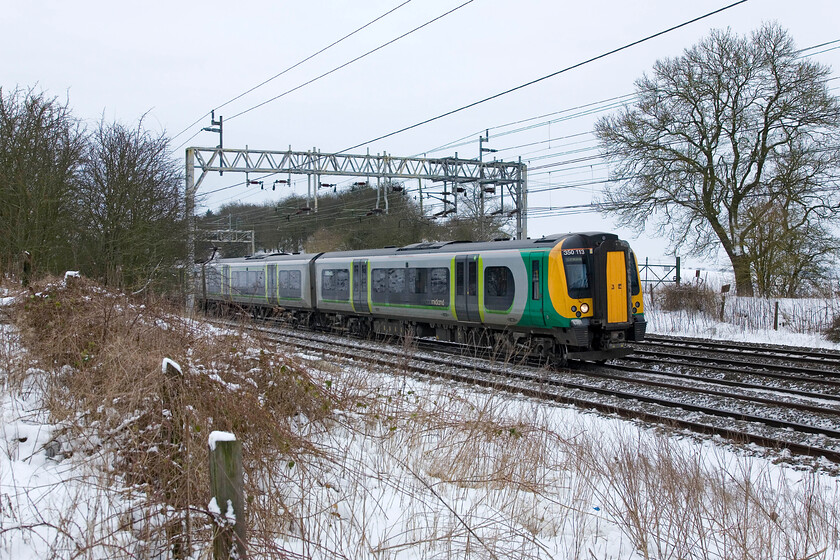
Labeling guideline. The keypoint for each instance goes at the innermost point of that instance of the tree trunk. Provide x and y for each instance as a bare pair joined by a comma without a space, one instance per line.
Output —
743,276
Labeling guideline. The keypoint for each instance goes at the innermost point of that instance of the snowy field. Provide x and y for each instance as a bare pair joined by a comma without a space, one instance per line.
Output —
751,320
431,469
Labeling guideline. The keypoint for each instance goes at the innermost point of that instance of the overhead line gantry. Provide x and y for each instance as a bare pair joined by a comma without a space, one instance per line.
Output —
449,171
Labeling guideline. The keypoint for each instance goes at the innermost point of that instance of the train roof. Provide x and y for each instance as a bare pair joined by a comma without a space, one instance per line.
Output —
267,257
480,246
424,247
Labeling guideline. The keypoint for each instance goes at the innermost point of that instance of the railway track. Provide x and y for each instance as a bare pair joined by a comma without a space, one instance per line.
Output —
770,357
802,421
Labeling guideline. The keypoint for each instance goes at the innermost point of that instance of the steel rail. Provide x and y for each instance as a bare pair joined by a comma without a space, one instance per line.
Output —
773,351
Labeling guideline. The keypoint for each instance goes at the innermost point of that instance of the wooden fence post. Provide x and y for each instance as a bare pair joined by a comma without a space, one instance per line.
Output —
228,502
723,291
776,317
177,530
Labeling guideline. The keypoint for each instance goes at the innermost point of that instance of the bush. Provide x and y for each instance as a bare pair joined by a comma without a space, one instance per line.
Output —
832,333
689,297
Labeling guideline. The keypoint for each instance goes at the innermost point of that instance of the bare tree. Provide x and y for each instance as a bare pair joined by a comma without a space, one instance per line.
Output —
733,128
41,146
479,216
130,207
781,267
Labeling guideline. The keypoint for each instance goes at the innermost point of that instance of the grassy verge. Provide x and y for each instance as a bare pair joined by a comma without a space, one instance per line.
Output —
98,363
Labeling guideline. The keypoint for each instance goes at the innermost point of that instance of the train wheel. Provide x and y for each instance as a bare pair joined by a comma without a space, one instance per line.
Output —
559,358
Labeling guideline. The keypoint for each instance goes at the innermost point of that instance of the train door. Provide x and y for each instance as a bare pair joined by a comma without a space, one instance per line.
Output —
466,288
360,286
612,284
535,261
271,283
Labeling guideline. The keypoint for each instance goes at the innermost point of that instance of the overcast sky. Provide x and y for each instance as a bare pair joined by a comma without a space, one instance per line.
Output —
174,61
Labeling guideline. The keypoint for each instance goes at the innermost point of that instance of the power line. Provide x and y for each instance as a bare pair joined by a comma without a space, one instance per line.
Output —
471,137
553,74
292,67
819,46
613,103
624,97
354,60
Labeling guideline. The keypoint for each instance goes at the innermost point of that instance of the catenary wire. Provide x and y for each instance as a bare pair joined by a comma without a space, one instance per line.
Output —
292,67
551,75
533,118
348,63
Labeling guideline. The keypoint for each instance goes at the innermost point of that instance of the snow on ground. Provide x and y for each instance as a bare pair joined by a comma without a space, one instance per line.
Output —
680,323
548,481
49,502
431,469
800,321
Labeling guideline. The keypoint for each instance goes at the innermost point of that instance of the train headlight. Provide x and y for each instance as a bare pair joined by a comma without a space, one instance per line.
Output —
584,308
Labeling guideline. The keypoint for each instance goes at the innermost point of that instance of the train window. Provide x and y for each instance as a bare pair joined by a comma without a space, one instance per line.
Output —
248,282
499,288
379,282
360,283
335,284
238,280
417,278
327,281
396,280
535,280
342,284
459,279
634,275
256,282
440,281
496,280
213,280
472,278
271,280
577,275
289,283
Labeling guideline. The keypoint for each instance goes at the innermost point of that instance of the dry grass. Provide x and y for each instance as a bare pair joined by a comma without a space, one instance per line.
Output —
686,504
697,307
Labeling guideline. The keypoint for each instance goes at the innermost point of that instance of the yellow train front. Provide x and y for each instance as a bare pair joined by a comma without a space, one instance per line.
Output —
563,297
595,302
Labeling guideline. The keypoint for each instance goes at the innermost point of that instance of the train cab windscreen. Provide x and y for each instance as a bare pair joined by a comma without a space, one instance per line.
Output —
576,263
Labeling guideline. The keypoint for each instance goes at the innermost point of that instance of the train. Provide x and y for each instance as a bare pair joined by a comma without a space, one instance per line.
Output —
561,298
